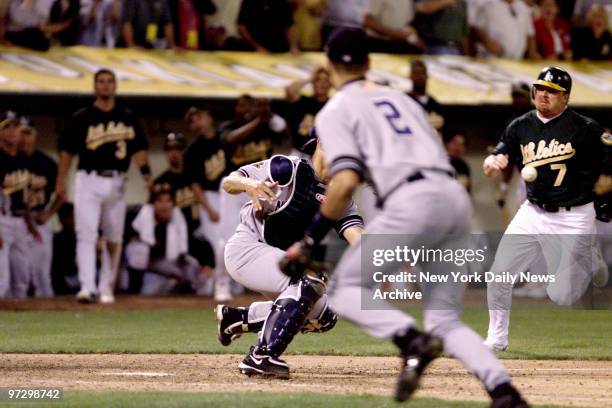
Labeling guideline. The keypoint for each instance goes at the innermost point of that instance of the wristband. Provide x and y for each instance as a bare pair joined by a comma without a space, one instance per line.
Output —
145,170
319,227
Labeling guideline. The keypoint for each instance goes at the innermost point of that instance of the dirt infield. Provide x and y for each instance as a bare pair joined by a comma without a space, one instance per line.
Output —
573,383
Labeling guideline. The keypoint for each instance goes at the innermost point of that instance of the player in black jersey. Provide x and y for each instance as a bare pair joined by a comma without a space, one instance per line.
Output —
43,174
105,136
180,182
16,227
205,165
301,110
561,154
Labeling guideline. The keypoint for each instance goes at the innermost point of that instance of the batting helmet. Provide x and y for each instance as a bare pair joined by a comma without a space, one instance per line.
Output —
554,78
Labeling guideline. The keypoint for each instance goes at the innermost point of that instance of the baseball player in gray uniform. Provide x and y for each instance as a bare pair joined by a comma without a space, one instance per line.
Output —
285,194
379,134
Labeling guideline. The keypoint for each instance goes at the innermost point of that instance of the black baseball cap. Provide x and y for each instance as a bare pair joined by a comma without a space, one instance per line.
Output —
26,122
159,190
174,141
7,118
347,46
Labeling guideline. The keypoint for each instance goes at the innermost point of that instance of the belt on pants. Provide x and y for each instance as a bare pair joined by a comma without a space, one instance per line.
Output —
553,208
105,173
416,176
17,213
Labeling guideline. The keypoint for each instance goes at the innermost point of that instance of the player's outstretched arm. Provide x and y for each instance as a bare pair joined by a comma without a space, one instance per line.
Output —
339,194
352,234
201,197
141,158
494,164
236,183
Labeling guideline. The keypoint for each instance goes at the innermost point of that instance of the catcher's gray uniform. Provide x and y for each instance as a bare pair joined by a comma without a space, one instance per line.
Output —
252,254
385,137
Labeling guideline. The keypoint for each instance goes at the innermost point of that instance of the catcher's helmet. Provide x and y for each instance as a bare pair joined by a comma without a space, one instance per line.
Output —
554,78
174,141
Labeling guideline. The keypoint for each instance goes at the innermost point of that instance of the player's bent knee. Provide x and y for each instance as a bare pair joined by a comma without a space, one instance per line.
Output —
440,322
86,236
562,296
137,255
288,316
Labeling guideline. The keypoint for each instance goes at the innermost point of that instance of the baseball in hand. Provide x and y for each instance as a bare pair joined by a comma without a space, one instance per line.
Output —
529,173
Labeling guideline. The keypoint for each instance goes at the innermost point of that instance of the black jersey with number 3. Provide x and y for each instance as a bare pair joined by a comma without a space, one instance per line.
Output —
103,140
43,172
569,153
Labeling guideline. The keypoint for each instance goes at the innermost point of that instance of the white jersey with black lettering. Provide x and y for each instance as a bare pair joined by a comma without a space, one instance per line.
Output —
379,132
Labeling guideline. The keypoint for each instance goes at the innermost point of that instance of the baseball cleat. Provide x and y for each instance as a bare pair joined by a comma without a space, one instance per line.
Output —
495,345
229,323
107,299
85,296
264,365
422,351
506,396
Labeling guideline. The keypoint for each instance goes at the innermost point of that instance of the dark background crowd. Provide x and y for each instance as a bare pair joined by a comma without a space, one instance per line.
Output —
285,123
514,29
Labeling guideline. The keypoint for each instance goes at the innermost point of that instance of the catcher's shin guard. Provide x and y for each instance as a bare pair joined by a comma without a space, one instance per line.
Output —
288,316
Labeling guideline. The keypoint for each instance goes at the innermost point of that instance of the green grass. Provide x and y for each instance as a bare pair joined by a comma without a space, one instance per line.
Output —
538,333
246,400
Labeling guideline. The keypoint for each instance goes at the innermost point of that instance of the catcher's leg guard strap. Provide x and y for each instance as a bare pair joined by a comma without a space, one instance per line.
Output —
288,315
325,322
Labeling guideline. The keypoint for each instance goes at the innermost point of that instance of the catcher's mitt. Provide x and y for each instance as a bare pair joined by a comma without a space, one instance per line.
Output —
304,265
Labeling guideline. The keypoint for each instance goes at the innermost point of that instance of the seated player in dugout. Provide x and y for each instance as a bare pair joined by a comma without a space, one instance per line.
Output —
285,193
158,249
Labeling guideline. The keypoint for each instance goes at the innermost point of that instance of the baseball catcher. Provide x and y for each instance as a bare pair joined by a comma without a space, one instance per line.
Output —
285,193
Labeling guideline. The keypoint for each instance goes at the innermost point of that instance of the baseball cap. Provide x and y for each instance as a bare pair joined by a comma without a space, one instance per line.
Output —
347,46
174,141
521,88
160,189
26,122
7,118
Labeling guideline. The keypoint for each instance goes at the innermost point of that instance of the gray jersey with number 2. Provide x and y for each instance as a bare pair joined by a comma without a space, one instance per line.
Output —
379,132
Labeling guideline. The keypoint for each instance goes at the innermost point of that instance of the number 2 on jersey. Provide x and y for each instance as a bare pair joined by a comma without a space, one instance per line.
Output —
394,117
